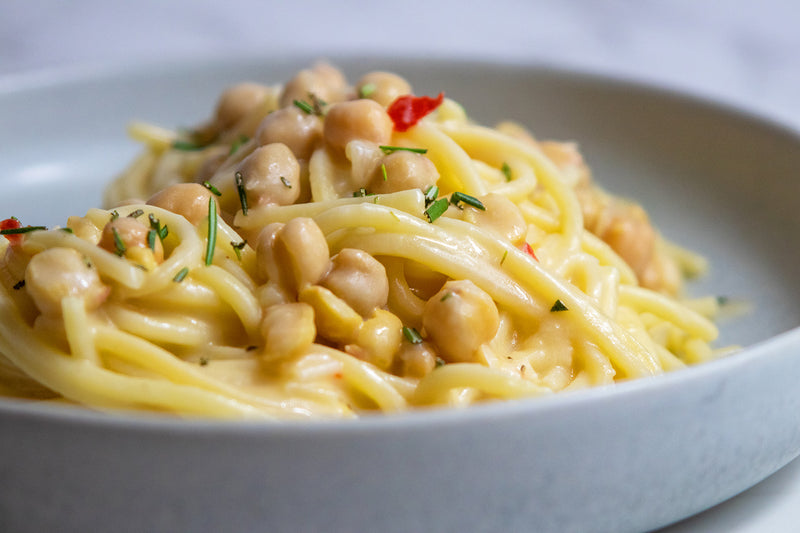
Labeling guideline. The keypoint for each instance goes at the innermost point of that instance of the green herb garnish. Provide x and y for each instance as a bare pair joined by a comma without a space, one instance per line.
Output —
156,225
136,214
242,193
114,215
212,230
237,143
361,193
503,259
458,197
304,106
119,246
18,285
390,149
187,146
506,171
383,171
182,273
152,235
211,188
237,248
412,335
66,230
286,182
436,209
431,194
18,231
558,306
203,361
367,89
439,362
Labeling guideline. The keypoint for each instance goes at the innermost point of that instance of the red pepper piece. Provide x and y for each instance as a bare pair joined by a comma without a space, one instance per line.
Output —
528,250
409,109
11,223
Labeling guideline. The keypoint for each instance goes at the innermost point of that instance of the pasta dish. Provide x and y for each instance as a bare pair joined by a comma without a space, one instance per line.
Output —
322,249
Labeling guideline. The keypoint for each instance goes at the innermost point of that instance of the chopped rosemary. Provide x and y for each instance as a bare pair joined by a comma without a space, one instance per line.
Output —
242,193
18,285
286,182
18,231
317,104
431,194
136,214
558,306
304,106
389,149
366,90
119,246
155,224
152,235
211,188
506,171
187,146
436,209
237,143
412,335
237,248
181,275
383,171
212,230
457,197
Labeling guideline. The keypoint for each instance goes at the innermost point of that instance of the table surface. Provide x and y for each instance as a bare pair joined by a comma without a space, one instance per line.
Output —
737,51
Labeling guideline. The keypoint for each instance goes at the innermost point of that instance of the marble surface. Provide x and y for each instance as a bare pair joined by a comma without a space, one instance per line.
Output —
738,51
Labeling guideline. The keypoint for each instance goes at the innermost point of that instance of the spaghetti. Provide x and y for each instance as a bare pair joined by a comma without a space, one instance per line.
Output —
325,250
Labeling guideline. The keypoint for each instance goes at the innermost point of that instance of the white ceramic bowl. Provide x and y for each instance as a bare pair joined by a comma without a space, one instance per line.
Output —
628,458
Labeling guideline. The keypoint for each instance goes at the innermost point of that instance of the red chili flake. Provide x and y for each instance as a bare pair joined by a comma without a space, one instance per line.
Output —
528,250
409,109
11,223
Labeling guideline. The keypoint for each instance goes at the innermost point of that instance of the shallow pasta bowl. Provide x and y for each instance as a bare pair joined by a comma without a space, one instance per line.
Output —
630,457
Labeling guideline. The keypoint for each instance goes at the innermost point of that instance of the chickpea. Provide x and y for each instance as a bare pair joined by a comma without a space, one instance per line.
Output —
459,318
236,102
416,360
127,237
384,87
187,199
627,230
501,216
323,81
288,329
58,273
294,254
271,175
357,119
294,128
359,279
404,170
379,339
335,320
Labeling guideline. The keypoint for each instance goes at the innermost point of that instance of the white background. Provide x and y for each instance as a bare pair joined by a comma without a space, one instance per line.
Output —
743,52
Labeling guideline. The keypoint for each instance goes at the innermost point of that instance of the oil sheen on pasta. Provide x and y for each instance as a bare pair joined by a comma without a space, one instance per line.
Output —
322,249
